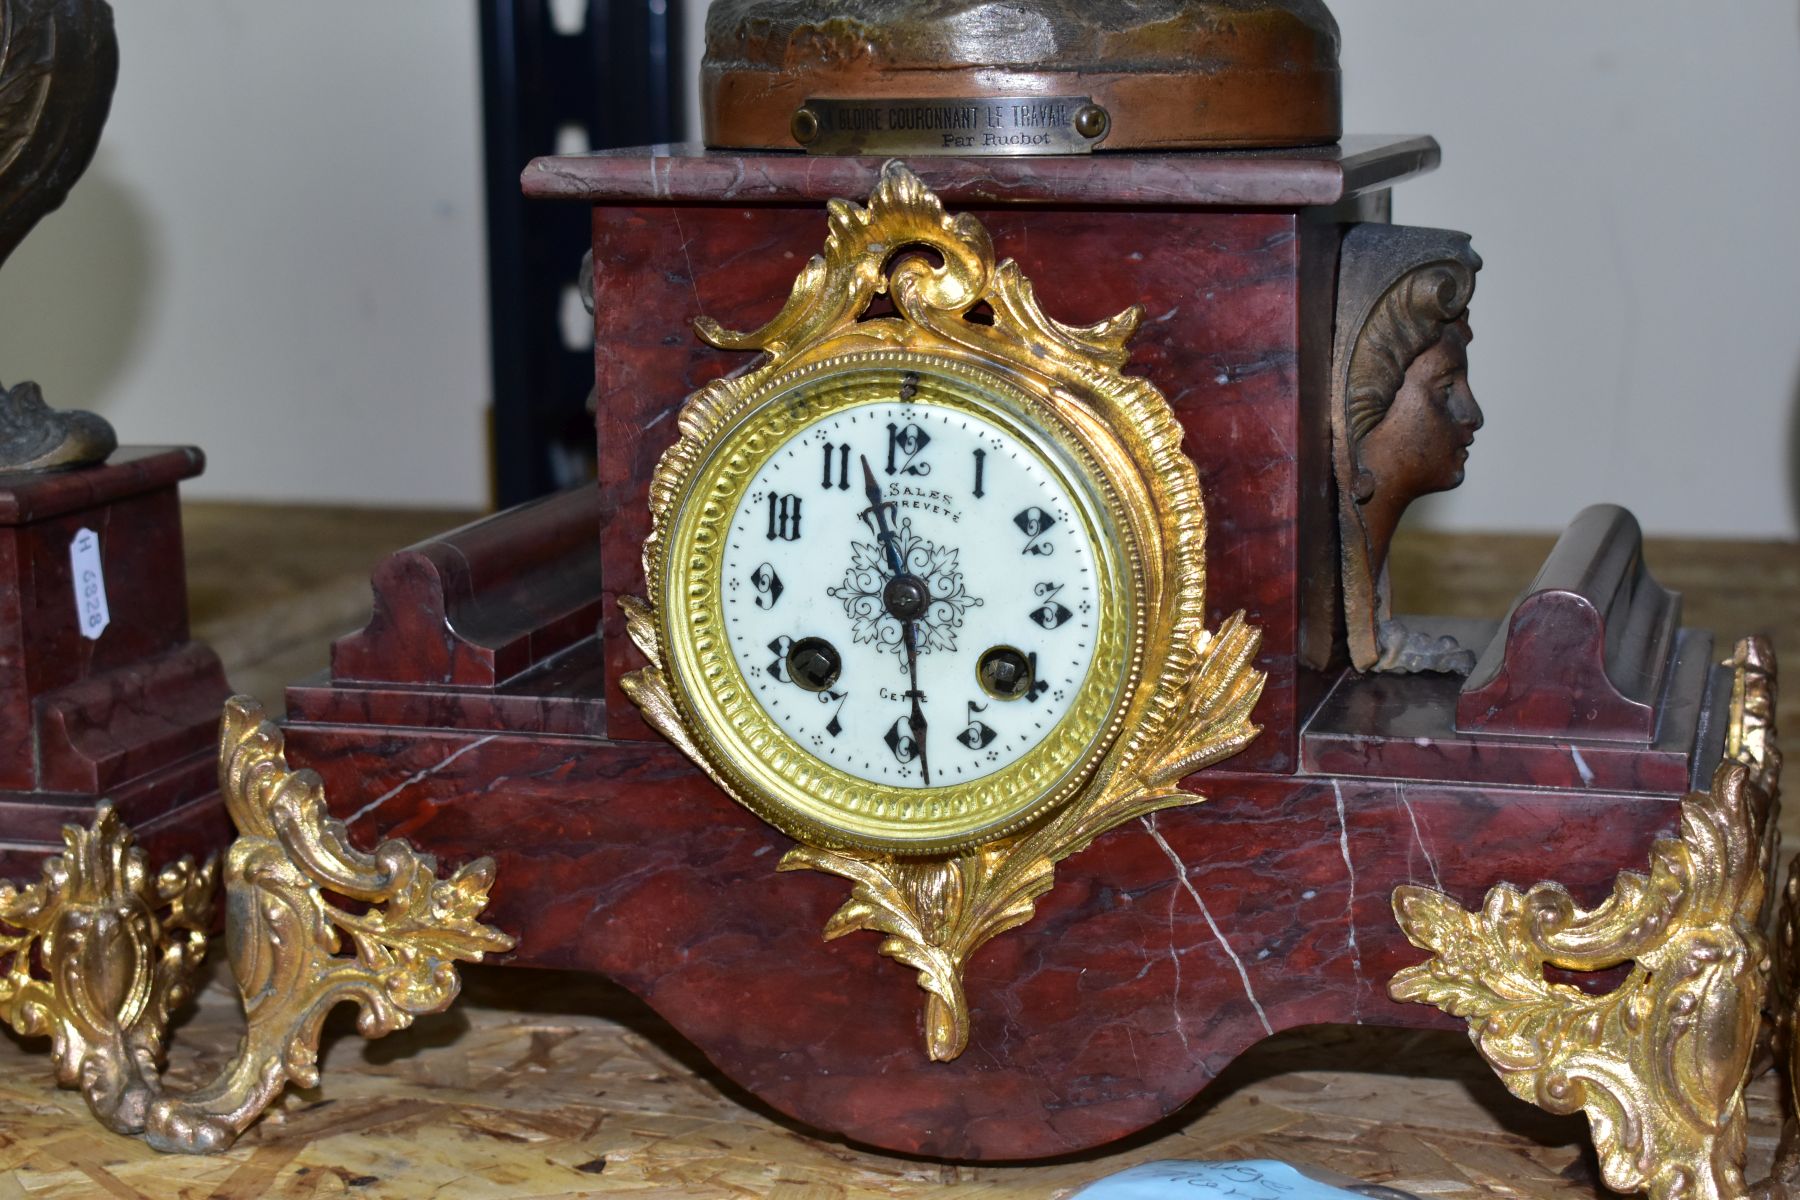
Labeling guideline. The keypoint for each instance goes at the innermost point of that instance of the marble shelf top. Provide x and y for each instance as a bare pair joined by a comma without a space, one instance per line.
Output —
690,173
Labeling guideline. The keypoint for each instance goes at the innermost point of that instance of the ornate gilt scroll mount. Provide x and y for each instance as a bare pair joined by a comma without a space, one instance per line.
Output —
1750,739
935,913
1659,1063
287,937
117,965
1784,1013
105,952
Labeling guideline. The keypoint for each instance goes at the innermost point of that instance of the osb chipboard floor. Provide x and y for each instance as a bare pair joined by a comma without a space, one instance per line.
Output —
551,1085
540,1086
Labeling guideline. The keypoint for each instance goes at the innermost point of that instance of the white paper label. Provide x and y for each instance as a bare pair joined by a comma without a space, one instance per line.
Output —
89,578
1257,1180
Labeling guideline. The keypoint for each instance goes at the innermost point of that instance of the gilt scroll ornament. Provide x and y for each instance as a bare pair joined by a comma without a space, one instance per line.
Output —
104,952
1783,1010
1190,690
119,946
1659,1063
296,954
935,913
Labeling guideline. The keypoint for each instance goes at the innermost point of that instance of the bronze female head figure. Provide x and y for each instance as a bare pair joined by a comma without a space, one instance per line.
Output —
1403,417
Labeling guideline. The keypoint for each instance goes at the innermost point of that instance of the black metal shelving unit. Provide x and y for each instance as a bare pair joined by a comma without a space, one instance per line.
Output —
612,78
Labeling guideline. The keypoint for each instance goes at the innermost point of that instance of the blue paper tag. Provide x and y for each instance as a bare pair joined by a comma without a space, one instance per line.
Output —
1259,1180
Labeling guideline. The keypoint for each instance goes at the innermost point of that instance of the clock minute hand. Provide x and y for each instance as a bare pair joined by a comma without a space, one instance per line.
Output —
910,626
917,721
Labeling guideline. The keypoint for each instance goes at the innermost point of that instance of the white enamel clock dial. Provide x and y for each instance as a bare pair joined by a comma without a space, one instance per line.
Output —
897,520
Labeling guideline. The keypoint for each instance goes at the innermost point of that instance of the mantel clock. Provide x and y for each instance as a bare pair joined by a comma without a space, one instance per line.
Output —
962,514
993,543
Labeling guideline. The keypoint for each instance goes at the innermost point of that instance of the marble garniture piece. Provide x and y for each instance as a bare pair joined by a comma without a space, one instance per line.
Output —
103,693
479,712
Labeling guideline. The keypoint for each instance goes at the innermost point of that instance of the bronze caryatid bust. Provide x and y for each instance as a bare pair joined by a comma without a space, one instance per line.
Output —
1402,419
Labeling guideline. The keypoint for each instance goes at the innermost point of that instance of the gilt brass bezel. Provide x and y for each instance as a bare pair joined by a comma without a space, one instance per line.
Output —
767,767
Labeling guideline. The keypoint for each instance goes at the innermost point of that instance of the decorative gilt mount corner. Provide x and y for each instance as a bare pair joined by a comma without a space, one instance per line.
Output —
1659,1063
118,947
1186,693
1784,1027
105,952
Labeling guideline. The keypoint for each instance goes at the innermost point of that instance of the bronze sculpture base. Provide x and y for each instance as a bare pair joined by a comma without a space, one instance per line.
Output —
1154,75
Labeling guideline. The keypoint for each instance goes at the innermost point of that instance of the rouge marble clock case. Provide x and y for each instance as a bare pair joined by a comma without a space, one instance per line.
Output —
480,713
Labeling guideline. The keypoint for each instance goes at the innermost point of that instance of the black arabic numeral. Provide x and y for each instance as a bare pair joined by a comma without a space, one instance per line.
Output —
768,586
1051,614
1038,686
779,648
842,454
900,741
904,447
1035,524
784,518
977,734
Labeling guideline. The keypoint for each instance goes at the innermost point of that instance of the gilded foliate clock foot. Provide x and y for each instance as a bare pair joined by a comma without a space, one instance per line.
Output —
296,953
104,951
1751,739
937,912
1784,1021
1659,1063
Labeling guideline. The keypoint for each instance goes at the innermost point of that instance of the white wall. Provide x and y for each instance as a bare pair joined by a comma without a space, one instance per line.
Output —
1630,172
278,252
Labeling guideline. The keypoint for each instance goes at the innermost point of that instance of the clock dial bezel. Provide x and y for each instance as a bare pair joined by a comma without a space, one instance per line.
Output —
767,768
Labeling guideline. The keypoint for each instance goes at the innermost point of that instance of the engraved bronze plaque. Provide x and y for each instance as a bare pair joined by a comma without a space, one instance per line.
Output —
940,125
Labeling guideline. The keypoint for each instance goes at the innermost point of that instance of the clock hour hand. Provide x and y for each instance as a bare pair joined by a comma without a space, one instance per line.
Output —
889,544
